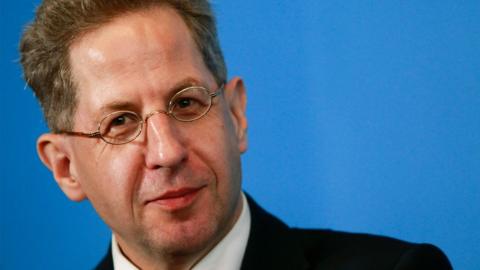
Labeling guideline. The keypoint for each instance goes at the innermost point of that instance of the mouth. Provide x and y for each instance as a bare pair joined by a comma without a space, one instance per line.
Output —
177,199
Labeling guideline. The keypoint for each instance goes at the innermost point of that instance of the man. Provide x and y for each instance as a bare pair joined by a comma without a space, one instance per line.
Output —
146,127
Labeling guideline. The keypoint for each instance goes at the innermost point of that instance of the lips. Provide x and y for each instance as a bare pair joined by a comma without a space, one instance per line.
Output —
177,199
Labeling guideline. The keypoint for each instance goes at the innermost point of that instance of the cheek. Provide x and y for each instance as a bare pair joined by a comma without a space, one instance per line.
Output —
123,170
218,148
109,179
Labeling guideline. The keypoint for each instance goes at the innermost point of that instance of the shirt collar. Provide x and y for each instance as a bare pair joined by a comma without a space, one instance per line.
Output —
226,255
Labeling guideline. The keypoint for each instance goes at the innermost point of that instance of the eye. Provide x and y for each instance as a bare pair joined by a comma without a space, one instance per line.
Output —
120,120
119,125
190,103
184,102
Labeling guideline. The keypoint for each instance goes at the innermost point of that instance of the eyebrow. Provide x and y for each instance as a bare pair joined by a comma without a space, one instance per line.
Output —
187,82
130,106
114,106
117,106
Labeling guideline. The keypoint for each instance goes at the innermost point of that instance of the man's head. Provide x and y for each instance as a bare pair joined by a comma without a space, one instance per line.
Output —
175,189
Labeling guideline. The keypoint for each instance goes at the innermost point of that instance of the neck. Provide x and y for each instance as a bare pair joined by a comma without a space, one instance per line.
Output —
147,259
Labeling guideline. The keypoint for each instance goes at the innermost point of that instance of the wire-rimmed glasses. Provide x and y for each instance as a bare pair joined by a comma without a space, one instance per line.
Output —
121,127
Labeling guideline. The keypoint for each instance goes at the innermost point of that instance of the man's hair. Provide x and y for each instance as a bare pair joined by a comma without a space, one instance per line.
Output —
45,45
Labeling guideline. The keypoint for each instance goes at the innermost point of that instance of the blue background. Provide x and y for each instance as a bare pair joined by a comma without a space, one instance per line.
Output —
364,116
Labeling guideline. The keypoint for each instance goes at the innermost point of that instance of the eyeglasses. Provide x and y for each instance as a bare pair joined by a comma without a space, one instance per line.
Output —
121,127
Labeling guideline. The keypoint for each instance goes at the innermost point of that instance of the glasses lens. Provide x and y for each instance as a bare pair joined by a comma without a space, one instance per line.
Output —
190,104
120,127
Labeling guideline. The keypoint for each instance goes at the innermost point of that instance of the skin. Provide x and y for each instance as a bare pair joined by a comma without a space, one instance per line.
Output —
137,62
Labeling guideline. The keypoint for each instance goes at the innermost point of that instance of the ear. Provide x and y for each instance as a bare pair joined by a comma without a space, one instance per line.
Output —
52,151
236,96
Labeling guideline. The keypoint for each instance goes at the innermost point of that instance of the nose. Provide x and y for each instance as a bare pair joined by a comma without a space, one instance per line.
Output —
165,146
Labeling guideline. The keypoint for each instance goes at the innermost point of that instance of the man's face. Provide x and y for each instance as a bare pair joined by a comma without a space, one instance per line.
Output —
176,188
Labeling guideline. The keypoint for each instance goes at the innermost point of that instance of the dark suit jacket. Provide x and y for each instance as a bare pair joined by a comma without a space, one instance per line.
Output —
273,245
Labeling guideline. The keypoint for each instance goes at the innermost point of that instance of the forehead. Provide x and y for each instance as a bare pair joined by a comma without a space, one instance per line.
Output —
141,52
155,32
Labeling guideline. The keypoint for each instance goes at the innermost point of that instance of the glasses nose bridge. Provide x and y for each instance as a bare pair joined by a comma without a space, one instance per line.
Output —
161,130
167,113
144,122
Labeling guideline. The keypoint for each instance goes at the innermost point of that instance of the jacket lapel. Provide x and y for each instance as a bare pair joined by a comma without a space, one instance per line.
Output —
107,262
271,244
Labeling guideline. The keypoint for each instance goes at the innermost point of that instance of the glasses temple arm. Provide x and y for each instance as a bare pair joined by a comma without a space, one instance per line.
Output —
74,133
216,93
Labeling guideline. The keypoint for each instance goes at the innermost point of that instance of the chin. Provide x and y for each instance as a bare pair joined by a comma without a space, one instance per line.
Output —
185,237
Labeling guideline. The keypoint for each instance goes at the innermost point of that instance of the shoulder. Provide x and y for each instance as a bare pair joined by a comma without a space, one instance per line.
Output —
274,245
327,248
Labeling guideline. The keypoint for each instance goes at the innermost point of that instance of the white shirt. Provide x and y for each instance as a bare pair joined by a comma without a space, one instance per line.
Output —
226,255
